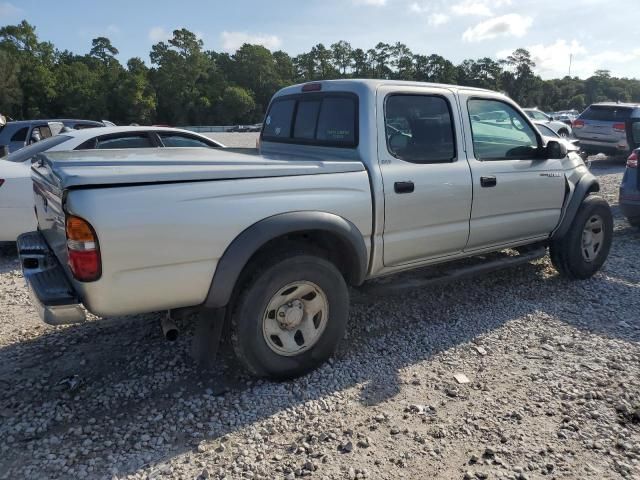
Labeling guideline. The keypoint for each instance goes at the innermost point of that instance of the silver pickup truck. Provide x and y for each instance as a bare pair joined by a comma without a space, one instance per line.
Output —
355,179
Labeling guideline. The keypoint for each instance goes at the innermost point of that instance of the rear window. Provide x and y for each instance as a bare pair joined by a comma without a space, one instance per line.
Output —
607,114
313,119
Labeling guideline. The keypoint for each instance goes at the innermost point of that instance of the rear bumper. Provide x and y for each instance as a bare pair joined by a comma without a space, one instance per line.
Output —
594,146
51,292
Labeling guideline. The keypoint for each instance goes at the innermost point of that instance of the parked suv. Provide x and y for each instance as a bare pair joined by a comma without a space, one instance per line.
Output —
607,128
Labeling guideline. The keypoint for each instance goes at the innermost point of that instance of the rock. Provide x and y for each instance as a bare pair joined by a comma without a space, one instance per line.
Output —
461,378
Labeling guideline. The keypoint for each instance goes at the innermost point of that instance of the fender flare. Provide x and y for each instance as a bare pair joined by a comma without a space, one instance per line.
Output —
588,183
245,245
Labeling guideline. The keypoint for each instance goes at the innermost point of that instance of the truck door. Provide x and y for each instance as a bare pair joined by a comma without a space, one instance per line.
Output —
517,194
426,178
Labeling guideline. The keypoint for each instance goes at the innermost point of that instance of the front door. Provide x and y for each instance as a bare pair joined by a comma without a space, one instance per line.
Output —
426,178
517,194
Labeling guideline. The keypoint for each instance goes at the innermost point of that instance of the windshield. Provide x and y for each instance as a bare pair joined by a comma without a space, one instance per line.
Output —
26,153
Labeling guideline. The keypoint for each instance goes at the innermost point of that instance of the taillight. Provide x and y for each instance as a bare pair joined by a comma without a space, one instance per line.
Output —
578,123
619,127
82,249
632,161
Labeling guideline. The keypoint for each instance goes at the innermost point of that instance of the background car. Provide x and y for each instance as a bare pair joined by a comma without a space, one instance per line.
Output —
572,143
629,197
19,134
608,128
561,128
16,195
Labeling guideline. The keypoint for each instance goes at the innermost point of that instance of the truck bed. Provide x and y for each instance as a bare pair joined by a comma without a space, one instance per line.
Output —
68,170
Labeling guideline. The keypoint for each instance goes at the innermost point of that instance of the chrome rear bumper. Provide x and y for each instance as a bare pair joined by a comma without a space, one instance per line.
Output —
51,292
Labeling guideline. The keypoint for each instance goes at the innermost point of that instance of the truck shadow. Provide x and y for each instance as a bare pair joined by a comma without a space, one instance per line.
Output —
120,385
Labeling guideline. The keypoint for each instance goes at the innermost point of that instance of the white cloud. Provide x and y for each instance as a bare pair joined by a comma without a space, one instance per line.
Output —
9,10
510,25
436,19
552,60
480,8
372,3
159,34
232,41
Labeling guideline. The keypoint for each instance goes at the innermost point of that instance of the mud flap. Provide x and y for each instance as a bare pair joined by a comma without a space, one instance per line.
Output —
206,338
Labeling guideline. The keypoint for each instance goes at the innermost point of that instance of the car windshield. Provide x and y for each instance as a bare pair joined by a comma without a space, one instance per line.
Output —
26,153
607,113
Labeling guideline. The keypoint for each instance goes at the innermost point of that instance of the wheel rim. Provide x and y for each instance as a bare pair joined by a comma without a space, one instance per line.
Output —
592,238
563,134
295,318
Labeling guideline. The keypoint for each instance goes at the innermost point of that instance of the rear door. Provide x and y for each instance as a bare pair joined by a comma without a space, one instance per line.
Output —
426,178
517,194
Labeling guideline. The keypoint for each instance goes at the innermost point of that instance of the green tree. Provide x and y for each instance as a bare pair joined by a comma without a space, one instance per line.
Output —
10,91
237,104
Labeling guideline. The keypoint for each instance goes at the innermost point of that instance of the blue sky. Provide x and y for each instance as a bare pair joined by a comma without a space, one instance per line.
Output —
599,33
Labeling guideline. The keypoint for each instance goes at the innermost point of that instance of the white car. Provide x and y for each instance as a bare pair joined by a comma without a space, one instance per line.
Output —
16,192
562,129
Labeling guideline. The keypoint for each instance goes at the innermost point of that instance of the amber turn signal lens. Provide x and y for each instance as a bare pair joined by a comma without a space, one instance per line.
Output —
79,230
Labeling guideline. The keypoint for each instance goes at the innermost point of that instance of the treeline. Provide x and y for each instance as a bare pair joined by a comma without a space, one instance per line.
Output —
188,85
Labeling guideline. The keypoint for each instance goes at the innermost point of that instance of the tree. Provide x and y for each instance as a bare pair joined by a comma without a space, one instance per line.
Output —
341,53
102,49
237,104
10,91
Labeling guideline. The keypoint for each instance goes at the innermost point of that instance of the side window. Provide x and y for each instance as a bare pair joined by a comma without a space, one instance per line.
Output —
20,135
419,128
45,131
500,132
279,118
128,141
176,140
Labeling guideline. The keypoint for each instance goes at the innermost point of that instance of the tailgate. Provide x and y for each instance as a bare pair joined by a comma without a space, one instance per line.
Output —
600,131
48,198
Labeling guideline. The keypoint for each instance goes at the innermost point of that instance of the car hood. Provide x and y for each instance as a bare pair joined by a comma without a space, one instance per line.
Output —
76,169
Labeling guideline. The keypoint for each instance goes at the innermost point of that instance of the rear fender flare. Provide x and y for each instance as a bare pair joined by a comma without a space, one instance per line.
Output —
239,252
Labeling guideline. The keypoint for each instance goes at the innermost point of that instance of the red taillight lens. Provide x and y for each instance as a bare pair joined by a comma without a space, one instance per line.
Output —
578,123
82,249
632,161
618,127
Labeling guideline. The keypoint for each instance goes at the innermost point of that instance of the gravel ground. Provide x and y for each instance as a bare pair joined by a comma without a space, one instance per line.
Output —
553,390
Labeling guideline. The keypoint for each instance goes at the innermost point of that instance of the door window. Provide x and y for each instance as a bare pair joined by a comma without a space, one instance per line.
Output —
500,132
128,141
176,140
419,128
20,135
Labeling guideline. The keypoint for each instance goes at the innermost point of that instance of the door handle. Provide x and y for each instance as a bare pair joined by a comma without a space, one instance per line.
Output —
488,181
403,187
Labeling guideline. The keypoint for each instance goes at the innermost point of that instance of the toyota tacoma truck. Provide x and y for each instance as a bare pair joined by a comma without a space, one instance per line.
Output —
354,179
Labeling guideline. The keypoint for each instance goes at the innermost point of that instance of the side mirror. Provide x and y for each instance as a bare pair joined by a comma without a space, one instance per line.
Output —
3,120
556,149
4,151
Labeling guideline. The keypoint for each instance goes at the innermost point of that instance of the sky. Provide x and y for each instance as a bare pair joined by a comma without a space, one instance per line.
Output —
598,34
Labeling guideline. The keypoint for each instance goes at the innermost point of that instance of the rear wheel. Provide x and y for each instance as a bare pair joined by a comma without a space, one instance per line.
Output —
585,247
290,316
563,132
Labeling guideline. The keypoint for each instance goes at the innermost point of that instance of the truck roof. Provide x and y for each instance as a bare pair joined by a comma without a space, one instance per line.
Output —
359,84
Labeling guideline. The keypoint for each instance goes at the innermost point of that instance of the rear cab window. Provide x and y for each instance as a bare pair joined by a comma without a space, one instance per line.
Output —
323,119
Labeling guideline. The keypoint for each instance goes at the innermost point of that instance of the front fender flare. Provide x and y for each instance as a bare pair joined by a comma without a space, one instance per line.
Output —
588,183
245,245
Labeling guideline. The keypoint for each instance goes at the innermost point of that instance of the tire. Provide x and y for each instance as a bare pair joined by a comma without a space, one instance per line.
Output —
569,254
563,132
256,313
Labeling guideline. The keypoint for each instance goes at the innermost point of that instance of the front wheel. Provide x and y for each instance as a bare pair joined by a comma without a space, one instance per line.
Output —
290,316
585,247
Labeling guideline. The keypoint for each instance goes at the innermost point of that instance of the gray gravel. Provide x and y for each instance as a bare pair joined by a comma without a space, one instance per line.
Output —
553,392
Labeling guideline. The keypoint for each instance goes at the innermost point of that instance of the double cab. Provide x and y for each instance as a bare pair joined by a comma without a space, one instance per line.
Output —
354,179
